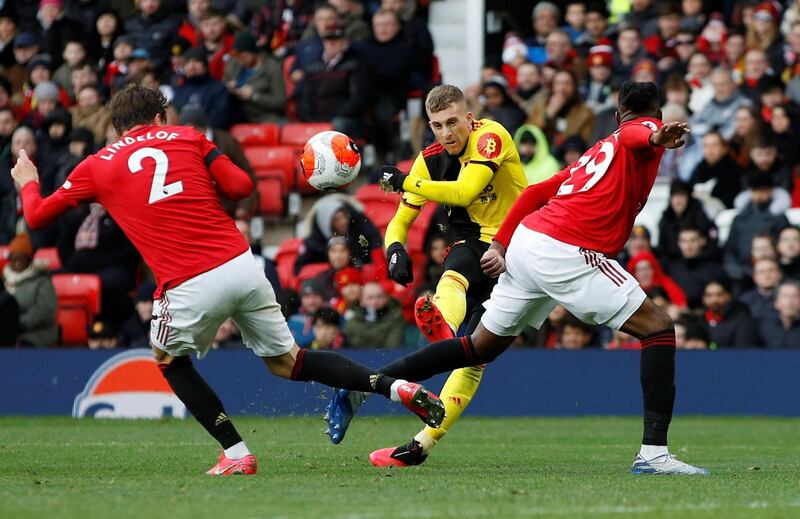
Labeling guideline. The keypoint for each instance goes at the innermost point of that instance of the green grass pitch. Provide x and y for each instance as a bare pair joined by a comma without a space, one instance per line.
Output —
488,467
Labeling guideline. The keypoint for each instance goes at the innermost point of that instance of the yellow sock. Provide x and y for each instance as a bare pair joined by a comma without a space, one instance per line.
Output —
451,298
456,394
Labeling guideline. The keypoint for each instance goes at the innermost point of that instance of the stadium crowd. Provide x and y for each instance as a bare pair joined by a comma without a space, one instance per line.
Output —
733,75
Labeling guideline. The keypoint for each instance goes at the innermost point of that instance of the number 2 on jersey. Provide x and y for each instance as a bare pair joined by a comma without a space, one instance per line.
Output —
159,190
588,170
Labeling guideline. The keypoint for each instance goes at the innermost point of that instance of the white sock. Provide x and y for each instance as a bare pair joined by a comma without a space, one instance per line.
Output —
649,452
237,452
393,395
426,441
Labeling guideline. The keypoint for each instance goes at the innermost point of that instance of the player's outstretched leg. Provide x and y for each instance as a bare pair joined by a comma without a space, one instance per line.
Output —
336,370
206,407
655,330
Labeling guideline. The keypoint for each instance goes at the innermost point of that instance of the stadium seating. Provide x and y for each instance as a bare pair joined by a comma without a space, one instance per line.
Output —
49,256
270,191
405,165
297,134
256,134
310,271
272,158
3,257
285,259
78,301
723,221
288,84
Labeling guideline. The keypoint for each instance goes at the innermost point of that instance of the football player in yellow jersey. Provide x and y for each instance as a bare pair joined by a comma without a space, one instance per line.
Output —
474,170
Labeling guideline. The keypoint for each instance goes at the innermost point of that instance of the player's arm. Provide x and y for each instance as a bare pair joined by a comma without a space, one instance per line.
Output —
40,212
644,135
473,178
233,182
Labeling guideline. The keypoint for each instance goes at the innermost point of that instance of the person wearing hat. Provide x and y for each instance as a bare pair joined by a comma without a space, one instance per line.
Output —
8,29
348,283
101,336
683,210
193,115
135,331
26,46
40,71
301,324
534,153
756,217
763,33
56,29
199,88
597,89
153,29
138,61
255,79
30,285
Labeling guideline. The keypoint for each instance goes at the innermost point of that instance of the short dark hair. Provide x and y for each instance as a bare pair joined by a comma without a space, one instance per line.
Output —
639,98
211,12
327,316
134,105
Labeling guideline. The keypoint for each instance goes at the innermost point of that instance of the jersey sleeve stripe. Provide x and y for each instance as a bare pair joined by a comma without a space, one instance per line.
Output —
211,156
489,164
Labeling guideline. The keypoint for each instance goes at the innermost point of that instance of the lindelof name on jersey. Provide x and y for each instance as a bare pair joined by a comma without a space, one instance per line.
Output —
127,141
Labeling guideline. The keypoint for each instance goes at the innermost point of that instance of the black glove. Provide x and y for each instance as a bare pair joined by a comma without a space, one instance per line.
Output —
392,179
399,264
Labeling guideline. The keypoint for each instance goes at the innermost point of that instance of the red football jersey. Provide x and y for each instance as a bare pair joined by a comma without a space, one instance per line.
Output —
156,184
596,206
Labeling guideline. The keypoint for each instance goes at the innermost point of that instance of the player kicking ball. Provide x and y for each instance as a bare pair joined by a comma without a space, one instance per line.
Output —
570,226
160,184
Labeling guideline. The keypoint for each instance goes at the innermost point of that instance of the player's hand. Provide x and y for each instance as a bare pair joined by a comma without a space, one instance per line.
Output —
392,179
493,262
24,171
670,135
399,264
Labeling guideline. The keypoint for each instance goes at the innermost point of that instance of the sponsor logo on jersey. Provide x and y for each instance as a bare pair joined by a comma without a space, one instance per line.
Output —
651,125
490,145
128,385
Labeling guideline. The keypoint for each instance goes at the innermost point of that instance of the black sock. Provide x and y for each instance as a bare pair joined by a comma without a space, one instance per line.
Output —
336,370
200,400
657,373
439,357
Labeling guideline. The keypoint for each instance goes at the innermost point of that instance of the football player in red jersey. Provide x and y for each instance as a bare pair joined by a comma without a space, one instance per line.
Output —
571,227
160,185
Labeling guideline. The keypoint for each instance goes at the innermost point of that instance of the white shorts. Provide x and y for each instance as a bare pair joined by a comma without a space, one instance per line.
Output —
187,317
542,272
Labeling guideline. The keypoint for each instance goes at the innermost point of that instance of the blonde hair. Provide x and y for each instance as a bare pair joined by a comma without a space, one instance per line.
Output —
443,96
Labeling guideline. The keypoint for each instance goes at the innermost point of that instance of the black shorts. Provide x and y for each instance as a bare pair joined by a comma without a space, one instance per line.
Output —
464,257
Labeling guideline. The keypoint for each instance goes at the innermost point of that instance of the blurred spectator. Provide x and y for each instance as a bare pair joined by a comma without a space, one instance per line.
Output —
267,265
216,41
278,25
596,28
575,17
627,52
135,332
785,125
91,113
790,18
661,300
339,257
788,248
780,199
152,29
201,89
348,289
605,121
437,250
713,38
227,337
545,20
719,112
5,95
74,54
780,328
56,29
752,220
82,76
677,163
756,66
31,287
648,272
255,79
9,319
748,128
734,49
676,91
693,269
694,335
645,71
108,26
334,87
529,82
8,29
534,153
661,46
194,116
415,30
80,145
500,107
301,324
117,70
571,150
333,216
7,126
718,167
763,34
379,323
685,47
91,242
101,336
598,87
764,160
643,15
22,138
575,334
728,321
355,28
560,54
387,56
692,16
190,28
699,79
309,49
327,335
638,242
683,210
26,46
561,112
44,100
548,335
761,298
771,91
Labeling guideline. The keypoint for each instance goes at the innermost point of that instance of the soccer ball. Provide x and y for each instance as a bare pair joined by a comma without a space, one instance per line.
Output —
330,161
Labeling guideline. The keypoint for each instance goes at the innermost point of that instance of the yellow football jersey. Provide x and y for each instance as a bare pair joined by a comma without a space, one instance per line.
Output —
491,145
